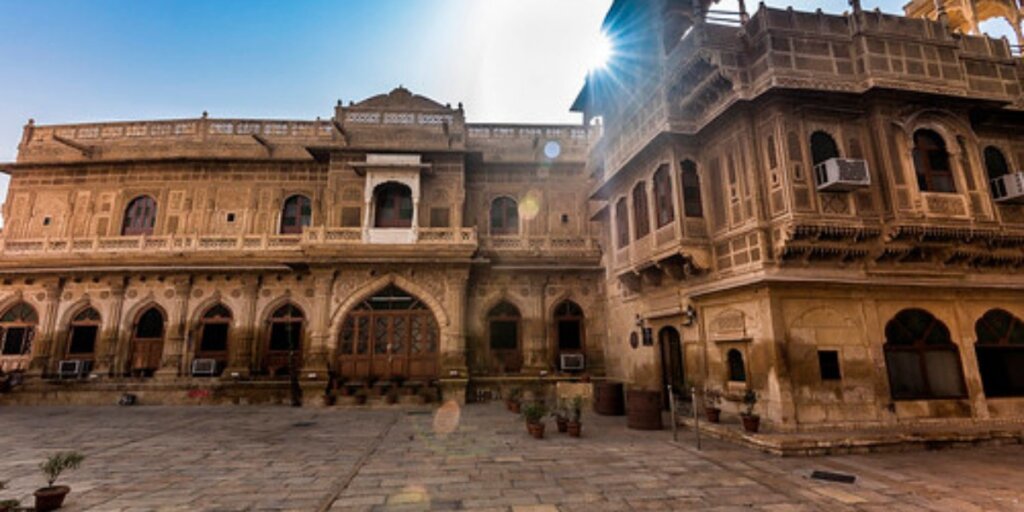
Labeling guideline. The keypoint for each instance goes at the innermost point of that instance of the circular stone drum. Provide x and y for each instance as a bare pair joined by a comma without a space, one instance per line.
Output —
643,409
608,399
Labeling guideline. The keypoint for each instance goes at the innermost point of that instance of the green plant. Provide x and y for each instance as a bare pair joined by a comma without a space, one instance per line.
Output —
560,412
7,504
576,408
514,394
534,412
749,401
59,463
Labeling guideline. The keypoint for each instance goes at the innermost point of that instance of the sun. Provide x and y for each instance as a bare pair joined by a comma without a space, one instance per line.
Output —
601,51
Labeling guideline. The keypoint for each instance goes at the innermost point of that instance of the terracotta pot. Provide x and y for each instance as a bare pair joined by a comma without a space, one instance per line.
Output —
514,407
563,425
751,423
51,498
574,428
536,430
713,414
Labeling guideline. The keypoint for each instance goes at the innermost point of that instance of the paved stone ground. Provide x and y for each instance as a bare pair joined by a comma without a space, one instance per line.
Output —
476,458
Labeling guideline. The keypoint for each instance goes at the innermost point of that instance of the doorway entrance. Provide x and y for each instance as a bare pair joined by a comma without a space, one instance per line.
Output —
672,373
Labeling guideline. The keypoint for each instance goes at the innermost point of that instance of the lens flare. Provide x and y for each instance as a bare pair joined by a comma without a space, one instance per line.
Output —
529,207
601,51
447,418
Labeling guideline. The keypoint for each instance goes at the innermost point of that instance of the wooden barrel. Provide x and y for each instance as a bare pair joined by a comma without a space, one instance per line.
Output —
643,410
608,399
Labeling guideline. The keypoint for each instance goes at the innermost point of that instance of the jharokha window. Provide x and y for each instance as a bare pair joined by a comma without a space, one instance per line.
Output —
932,163
641,217
503,326
504,216
622,223
995,163
296,214
17,328
139,217
1000,350
737,370
823,147
394,206
663,196
922,361
693,206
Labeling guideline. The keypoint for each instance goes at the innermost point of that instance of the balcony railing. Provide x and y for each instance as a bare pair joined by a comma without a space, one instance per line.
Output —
540,244
319,237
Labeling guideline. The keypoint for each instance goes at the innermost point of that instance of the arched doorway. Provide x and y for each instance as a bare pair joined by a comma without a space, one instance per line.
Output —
82,335
214,327
503,332
147,342
17,329
390,334
569,332
672,372
284,340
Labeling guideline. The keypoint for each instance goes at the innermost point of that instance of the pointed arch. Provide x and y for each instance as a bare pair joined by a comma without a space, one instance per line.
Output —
1000,350
367,289
147,340
18,325
504,336
921,358
139,216
285,335
296,214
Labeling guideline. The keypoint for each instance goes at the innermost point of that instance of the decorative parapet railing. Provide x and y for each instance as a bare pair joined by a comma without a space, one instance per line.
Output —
314,237
511,131
540,244
190,129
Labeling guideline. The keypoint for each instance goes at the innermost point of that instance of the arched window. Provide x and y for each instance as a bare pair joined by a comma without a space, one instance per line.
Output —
296,214
213,334
393,206
931,163
823,147
1000,350
920,357
737,370
139,217
622,223
147,342
995,163
285,342
503,326
663,196
504,216
693,206
641,217
85,326
569,326
17,328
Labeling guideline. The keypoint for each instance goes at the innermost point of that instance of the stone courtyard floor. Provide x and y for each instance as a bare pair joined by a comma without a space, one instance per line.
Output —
475,458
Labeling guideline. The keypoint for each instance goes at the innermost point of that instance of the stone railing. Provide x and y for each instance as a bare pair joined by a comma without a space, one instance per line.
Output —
189,129
540,244
512,131
313,237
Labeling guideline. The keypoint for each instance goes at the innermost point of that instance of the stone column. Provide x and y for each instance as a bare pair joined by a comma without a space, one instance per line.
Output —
240,343
453,341
45,342
174,343
107,361
315,357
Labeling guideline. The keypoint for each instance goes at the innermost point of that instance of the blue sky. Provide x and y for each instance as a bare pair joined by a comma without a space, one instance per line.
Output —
507,60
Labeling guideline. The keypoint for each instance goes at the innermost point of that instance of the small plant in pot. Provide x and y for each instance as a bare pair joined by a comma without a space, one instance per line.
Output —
561,419
712,402
7,505
751,421
534,413
512,402
575,413
52,496
361,395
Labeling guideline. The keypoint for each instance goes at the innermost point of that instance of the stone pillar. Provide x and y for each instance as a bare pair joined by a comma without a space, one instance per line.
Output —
174,342
240,344
453,342
108,364
315,357
45,342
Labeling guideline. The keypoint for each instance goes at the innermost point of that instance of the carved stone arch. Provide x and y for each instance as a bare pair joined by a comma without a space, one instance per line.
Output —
565,295
77,307
285,298
200,309
131,316
17,296
369,288
941,121
500,296
822,316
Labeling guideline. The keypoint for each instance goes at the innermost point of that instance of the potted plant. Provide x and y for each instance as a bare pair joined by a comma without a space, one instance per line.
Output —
534,413
751,421
7,505
561,419
391,397
360,396
712,401
52,496
512,402
575,413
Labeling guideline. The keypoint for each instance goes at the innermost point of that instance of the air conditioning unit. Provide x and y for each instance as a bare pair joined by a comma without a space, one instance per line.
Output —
204,367
1009,188
572,362
70,369
842,175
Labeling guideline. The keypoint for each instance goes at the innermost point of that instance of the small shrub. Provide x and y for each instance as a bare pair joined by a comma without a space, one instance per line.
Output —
534,412
749,401
59,463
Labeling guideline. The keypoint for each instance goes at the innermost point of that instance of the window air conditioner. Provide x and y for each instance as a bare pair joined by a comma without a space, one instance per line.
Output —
1009,188
70,369
841,175
204,367
572,362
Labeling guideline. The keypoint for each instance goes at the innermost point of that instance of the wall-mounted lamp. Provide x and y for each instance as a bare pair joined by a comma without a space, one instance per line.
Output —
689,315
639,321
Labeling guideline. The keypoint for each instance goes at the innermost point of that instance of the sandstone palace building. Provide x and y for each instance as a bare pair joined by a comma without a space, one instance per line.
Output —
825,209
